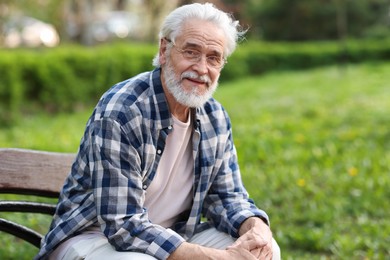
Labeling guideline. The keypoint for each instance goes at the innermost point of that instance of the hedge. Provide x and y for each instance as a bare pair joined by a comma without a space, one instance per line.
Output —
64,78
69,77
259,57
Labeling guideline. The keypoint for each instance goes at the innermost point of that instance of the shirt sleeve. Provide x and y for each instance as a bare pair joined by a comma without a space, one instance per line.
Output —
115,162
227,204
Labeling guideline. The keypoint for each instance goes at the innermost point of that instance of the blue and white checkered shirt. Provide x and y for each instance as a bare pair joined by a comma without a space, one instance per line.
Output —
117,160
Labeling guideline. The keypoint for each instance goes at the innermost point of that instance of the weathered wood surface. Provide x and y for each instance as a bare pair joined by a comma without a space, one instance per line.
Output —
33,172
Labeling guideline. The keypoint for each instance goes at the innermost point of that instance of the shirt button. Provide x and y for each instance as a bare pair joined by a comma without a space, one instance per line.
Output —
144,187
170,127
159,151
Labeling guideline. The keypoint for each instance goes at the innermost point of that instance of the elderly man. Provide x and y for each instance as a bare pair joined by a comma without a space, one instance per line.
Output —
156,175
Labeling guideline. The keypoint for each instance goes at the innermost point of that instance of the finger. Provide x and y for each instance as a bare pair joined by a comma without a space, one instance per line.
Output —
240,253
266,253
250,245
256,253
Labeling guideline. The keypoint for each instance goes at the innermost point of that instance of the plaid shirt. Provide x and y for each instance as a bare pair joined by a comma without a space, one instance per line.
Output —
117,160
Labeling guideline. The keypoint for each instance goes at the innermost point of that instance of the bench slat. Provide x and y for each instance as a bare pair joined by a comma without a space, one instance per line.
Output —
20,231
33,172
27,206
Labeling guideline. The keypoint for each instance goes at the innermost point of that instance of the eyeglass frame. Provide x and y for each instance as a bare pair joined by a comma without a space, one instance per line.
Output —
196,58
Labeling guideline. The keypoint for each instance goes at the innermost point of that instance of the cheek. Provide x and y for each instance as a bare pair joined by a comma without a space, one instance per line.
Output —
180,65
214,76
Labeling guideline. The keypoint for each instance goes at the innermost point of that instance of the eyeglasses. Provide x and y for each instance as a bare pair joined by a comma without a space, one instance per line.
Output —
195,56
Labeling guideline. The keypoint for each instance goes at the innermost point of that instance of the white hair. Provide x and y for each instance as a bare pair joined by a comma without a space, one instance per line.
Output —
173,23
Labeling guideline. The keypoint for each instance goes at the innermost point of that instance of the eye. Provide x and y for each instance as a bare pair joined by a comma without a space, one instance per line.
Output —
215,60
189,53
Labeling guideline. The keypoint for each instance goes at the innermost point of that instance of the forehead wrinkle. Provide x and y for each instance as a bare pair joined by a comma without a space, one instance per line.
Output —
202,34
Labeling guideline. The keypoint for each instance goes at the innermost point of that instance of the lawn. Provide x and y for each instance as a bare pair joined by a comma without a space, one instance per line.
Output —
314,151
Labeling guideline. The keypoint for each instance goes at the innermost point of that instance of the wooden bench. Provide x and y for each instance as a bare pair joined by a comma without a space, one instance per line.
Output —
30,172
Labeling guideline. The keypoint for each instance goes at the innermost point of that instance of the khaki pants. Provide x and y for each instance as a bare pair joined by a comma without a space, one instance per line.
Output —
96,247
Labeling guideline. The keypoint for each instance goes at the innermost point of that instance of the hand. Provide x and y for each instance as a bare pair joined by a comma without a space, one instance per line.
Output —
238,253
194,252
255,237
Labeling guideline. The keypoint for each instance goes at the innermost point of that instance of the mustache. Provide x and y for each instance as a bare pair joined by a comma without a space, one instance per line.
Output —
194,75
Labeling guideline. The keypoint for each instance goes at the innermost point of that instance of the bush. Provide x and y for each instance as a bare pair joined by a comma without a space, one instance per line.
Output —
11,90
64,78
69,77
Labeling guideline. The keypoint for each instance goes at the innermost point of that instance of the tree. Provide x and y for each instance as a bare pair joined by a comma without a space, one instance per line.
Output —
45,10
155,11
297,20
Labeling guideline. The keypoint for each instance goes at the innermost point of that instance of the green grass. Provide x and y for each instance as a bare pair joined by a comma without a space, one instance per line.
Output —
314,151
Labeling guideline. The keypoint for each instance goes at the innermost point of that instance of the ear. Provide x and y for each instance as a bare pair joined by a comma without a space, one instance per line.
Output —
162,51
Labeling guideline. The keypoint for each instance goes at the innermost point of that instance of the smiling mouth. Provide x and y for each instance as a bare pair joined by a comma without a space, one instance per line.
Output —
197,81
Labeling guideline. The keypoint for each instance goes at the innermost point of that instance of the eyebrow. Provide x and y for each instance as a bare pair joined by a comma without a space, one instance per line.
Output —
197,46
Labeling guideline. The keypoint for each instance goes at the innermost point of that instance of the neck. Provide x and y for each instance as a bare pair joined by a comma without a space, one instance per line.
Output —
181,113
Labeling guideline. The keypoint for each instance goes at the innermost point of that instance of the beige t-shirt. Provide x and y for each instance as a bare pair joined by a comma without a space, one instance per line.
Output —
170,194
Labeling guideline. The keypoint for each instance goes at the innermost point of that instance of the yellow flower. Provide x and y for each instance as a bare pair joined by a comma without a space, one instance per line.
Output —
352,171
301,182
300,138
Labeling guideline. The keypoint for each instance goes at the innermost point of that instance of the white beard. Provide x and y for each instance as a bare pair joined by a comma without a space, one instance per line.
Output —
187,98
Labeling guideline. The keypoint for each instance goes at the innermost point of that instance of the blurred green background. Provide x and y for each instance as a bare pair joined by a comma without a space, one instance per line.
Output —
307,91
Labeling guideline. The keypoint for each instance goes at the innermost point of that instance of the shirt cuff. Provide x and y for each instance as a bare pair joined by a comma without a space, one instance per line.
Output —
165,244
238,219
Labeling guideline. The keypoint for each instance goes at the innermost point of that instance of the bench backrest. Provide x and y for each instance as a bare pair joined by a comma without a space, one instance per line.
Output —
33,172
30,172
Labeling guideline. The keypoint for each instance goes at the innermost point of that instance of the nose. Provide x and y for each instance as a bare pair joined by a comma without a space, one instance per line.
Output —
201,66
